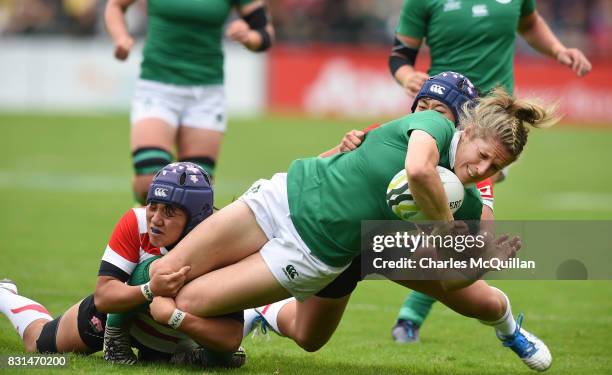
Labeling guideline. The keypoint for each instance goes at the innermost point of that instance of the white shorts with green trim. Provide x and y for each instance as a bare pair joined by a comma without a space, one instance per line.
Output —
293,265
200,107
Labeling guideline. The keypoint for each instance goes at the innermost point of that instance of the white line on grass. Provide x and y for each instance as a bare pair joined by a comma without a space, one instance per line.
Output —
95,183
578,200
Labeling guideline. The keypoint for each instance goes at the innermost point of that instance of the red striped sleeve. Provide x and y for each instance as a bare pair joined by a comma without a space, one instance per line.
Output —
486,189
125,239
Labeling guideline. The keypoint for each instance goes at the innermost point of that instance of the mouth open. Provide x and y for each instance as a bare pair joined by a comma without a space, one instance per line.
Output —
469,171
156,231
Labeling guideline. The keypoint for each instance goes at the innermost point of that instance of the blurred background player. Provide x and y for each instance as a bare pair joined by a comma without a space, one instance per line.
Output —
478,40
179,198
179,99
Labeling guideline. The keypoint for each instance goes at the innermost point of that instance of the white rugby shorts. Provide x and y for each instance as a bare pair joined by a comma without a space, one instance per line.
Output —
287,256
200,107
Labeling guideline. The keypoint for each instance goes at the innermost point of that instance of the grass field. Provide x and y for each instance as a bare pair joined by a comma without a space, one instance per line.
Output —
64,180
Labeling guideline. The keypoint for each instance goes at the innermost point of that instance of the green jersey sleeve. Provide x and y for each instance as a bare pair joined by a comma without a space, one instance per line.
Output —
434,124
413,19
527,7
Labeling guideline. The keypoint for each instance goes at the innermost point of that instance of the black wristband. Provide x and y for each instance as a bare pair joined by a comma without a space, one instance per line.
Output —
266,40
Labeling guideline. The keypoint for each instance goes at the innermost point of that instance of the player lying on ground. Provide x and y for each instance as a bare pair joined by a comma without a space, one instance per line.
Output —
179,198
295,233
312,330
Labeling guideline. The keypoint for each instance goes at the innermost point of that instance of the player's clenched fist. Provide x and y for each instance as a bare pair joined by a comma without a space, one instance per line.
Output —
168,284
123,47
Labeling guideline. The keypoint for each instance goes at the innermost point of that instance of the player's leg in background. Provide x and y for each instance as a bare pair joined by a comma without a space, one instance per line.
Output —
199,146
412,314
152,141
203,124
154,118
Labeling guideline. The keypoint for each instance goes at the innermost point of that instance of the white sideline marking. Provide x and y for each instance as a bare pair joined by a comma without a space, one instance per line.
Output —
578,200
85,183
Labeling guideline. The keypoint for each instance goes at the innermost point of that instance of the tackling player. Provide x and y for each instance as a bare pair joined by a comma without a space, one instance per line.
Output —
314,330
179,198
294,234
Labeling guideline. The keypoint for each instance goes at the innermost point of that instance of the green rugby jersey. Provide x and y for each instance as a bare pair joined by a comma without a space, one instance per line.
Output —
329,197
184,41
472,37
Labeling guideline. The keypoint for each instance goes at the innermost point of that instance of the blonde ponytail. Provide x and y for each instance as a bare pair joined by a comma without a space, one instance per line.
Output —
507,119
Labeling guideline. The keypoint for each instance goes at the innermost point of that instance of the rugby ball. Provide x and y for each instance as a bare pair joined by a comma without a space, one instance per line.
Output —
401,202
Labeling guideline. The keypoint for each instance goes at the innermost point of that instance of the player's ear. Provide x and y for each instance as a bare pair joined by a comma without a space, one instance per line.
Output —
469,131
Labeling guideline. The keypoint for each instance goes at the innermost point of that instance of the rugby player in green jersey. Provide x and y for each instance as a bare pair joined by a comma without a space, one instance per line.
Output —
294,234
179,98
476,38
451,92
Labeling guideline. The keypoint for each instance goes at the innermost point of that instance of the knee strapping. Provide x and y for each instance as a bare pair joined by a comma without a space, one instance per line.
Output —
205,162
149,160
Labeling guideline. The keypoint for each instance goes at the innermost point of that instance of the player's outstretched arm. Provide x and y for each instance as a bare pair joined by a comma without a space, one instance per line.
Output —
534,29
114,19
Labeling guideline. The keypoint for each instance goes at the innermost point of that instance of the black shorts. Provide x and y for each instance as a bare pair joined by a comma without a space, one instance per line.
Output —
90,322
345,283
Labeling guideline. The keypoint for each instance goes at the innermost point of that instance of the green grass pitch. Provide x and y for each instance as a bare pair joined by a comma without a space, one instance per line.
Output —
64,180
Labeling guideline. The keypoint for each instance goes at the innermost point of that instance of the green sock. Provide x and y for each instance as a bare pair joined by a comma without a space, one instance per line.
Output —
416,308
140,275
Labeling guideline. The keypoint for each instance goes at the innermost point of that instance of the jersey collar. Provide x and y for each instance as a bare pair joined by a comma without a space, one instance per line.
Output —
452,151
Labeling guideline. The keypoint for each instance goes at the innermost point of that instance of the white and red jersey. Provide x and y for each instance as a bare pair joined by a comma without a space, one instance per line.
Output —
485,187
128,245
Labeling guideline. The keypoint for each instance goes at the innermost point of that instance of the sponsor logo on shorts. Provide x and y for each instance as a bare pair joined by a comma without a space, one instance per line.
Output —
254,189
291,272
96,324
161,192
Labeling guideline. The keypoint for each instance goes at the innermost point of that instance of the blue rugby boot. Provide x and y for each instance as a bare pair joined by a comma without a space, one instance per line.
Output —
530,349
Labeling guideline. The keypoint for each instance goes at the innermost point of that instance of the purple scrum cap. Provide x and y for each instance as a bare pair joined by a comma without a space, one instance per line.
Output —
186,186
451,88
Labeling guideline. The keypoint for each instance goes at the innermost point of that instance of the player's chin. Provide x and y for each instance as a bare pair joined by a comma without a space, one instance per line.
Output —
464,178
157,240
